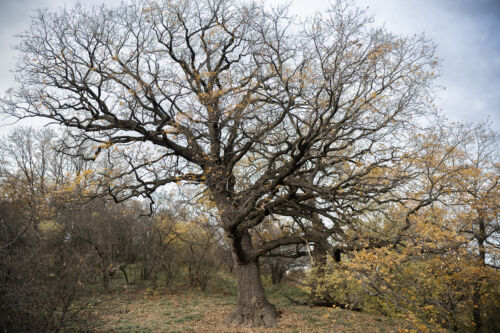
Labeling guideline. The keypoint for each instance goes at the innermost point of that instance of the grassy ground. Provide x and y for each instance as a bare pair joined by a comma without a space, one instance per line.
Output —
141,308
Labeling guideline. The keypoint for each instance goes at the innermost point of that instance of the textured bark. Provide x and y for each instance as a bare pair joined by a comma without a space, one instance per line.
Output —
253,309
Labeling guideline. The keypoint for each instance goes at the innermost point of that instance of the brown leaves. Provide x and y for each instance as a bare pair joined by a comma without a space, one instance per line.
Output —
201,313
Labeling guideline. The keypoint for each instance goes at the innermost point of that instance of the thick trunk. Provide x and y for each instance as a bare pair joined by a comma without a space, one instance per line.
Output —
253,308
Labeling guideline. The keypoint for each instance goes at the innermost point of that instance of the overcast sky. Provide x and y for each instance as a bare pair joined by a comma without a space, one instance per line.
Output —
467,33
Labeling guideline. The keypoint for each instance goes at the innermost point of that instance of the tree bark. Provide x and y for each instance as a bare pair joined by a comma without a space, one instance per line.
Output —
253,309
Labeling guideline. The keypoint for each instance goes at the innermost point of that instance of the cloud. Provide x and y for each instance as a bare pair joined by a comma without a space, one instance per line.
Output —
468,43
465,31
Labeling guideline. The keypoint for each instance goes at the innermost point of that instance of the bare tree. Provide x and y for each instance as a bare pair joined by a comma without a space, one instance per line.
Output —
267,116
40,269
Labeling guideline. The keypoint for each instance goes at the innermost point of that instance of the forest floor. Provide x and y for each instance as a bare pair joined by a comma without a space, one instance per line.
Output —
142,308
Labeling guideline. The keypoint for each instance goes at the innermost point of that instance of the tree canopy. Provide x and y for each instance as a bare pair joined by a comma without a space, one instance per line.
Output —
314,122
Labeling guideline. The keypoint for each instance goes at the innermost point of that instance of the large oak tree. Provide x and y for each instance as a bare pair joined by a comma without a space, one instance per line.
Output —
270,115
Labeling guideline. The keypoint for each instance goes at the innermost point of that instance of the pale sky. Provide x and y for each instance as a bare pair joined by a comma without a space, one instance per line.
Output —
467,33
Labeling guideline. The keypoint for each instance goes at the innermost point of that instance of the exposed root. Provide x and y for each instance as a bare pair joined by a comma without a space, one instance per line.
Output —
256,314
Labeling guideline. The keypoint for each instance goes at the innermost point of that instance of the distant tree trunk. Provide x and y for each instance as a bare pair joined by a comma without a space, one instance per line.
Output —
105,283
319,295
145,272
277,274
169,274
476,309
190,274
253,309
476,296
122,268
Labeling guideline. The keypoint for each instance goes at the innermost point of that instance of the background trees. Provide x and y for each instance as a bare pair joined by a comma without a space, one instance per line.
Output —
56,243
437,273
40,268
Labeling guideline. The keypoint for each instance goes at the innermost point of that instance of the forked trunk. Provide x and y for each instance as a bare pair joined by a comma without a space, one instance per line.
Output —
253,308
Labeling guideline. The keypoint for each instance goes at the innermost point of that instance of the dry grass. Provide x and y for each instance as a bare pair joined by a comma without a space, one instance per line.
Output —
140,309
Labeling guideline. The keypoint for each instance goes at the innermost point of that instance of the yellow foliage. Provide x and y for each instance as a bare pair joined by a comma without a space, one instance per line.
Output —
50,228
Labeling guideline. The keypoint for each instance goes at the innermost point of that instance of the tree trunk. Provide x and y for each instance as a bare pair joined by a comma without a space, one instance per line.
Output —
476,310
253,309
319,294
105,280
277,274
124,274
476,296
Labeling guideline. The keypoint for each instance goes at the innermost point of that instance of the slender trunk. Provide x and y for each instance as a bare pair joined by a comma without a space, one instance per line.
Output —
124,273
105,280
144,272
476,308
253,309
476,296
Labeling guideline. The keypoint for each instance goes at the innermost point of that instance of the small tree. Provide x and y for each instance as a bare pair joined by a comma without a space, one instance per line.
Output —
269,117
40,268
